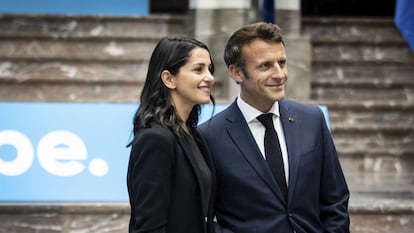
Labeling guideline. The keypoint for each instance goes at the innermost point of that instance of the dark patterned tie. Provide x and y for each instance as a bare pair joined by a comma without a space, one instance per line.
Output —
272,152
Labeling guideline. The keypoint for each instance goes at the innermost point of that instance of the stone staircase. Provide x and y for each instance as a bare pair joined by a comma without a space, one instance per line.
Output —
78,58
364,72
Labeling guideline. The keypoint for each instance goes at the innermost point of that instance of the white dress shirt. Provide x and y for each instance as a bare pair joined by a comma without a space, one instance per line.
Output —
258,130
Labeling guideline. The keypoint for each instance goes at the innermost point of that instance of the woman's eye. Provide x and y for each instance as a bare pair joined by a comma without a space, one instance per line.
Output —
211,69
198,69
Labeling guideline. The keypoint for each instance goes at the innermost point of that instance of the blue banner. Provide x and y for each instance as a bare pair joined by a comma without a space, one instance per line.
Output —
64,152
86,7
67,152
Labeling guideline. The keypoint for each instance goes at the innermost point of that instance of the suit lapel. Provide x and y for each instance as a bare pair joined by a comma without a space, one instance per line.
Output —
207,157
190,156
290,121
237,129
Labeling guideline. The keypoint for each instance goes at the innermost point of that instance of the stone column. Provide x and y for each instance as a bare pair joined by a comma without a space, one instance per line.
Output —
298,47
213,23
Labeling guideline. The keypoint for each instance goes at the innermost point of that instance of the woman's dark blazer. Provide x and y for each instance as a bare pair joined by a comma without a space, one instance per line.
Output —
164,185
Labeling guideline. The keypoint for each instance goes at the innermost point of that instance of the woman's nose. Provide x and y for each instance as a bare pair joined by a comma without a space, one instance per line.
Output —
209,77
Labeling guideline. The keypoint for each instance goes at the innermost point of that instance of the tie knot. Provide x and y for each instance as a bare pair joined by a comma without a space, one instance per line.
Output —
266,120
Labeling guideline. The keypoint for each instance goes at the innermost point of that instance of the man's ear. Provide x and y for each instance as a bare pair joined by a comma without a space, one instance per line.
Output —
168,79
236,73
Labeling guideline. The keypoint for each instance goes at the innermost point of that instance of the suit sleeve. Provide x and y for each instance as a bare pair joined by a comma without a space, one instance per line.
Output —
334,193
149,174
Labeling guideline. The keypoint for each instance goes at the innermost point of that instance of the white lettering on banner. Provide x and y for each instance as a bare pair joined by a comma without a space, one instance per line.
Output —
59,152
98,167
24,153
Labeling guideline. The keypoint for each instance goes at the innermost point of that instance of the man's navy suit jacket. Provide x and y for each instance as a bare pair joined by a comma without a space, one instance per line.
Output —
248,198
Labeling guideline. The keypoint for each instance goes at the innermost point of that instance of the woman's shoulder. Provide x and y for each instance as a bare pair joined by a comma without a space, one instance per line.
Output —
156,128
155,141
154,132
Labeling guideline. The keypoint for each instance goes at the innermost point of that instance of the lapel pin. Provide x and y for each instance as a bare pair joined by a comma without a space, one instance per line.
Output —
291,119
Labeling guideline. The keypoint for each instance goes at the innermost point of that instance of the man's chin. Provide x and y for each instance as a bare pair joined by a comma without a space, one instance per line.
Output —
280,96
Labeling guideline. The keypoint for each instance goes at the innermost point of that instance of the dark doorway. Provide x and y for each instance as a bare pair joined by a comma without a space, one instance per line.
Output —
170,6
374,8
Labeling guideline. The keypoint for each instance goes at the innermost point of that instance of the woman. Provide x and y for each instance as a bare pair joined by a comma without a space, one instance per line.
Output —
170,184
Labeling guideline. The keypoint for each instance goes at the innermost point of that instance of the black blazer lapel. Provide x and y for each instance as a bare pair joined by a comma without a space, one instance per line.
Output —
207,156
242,137
189,155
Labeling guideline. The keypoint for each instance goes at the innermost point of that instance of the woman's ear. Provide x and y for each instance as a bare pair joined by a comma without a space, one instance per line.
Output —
168,79
236,74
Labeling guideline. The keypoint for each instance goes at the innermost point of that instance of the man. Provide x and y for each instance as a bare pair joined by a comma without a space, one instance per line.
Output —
304,191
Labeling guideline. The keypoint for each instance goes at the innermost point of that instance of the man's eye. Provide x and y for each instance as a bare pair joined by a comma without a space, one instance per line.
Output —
263,66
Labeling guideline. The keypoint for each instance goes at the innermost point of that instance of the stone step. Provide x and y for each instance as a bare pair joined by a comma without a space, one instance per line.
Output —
368,213
365,136
381,213
58,71
361,53
382,112
347,82
362,89
363,93
368,155
82,26
372,163
96,38
73,81
373,136
383,184
388,197
347,29
135,50
71,92
64,217
363,83
380,73
356,41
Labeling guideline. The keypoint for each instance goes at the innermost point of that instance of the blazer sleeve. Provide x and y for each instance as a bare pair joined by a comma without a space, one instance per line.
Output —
149,180
334,193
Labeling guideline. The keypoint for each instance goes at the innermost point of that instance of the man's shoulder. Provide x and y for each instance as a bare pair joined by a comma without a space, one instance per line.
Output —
299,107
218,120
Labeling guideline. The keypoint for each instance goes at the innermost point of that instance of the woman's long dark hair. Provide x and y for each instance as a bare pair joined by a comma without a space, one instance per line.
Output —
171,53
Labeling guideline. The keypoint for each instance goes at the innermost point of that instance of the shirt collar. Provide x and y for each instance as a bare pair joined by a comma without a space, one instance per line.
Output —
250,113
